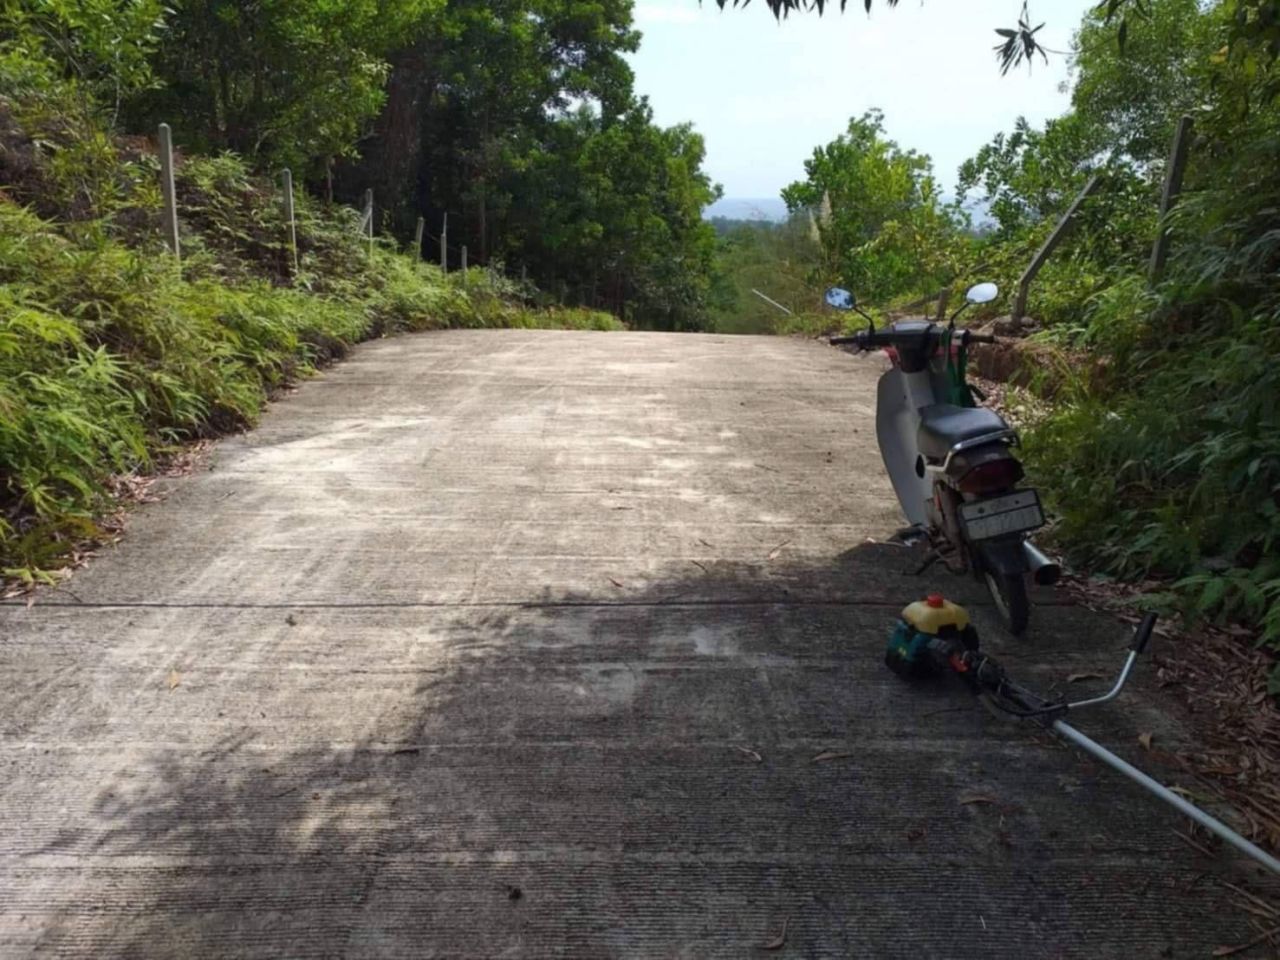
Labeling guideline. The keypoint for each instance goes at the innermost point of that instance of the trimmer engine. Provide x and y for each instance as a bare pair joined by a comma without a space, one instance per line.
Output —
932,637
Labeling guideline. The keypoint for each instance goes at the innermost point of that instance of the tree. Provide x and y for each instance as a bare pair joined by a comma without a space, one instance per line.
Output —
1133,98
289,81
105,46
609,213
1125,105
888,231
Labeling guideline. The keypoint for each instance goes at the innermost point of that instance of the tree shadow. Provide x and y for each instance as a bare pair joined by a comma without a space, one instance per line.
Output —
683,765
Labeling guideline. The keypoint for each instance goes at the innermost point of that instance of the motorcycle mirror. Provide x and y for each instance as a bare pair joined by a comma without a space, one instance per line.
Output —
841,299
982,293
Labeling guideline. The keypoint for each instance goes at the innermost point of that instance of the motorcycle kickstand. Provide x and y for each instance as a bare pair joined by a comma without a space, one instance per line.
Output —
934,556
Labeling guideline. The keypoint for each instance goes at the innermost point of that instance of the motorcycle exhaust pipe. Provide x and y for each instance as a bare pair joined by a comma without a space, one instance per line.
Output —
1046,572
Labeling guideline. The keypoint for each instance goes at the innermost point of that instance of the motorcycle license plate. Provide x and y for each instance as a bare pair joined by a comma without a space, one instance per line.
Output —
1001,516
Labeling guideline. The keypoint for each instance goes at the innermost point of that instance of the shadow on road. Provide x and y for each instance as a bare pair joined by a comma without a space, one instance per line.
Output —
686,767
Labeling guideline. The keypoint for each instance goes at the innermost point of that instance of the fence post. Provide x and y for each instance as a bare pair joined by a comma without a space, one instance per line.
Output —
167,188
464,264
1172,187
444,243
1050,244
368,216
417,239
287,176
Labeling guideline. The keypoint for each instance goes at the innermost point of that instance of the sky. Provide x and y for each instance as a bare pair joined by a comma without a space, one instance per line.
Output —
764,94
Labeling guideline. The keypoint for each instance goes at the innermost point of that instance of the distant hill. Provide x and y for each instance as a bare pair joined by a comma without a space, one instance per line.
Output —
747,208
775,211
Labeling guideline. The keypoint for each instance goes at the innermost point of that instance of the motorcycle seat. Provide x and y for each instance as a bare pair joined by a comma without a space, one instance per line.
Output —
943,425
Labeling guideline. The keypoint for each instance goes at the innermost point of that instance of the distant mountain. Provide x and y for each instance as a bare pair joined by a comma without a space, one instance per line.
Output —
774,210
747,208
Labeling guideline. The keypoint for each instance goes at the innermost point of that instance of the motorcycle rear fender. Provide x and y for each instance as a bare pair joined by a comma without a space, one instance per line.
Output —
1003,555
966,460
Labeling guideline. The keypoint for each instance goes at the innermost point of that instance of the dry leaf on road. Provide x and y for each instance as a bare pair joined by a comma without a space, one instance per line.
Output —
777,942
1077,677
831,755
776,551
750,753
1231,951
1145,740
175,678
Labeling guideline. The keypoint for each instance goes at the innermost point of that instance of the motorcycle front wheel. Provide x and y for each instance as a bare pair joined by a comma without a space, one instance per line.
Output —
1009,591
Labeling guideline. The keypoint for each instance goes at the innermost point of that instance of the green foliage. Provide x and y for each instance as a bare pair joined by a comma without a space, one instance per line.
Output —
290,82
1163,457
883,226
103,46
610,213
778,259
465,108
519,120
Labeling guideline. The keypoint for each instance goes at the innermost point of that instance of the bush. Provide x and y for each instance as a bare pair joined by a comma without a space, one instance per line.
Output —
1168,463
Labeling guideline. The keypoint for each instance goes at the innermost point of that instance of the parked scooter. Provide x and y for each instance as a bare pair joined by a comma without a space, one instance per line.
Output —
951,463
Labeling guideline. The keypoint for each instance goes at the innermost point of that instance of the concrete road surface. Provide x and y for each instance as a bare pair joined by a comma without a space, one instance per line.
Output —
521,644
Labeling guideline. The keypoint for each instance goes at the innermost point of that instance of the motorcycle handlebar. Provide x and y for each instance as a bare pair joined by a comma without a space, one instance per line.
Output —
864,340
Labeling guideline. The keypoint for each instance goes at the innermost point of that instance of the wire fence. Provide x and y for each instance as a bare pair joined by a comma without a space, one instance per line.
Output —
449,255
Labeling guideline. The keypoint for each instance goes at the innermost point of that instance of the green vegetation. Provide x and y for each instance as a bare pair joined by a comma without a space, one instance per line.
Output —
1163,456
516,119
879,212
1160,452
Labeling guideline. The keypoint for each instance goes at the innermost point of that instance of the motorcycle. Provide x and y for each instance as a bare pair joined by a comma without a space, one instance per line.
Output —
950,461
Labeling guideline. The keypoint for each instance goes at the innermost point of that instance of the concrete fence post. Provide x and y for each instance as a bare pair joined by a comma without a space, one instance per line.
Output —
464,263
1050,244
170,193
1172,187
417,239
444,243
286,177
367,219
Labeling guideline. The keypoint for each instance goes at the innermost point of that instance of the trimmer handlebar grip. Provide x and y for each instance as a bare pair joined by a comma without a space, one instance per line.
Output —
1143,634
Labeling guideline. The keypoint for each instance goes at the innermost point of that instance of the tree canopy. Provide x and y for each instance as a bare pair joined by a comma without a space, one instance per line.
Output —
880,217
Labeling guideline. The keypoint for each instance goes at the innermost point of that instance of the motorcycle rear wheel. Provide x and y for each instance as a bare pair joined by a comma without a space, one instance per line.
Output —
1009,592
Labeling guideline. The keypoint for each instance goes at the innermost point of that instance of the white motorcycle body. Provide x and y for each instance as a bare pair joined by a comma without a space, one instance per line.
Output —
899,398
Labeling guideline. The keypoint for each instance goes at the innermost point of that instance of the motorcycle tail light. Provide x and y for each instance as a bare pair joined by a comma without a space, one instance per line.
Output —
992,476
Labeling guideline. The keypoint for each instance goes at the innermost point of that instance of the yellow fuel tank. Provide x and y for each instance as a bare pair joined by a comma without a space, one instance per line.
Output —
933,613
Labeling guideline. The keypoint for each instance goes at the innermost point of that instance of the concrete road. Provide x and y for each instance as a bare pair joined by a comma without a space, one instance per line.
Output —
524,644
